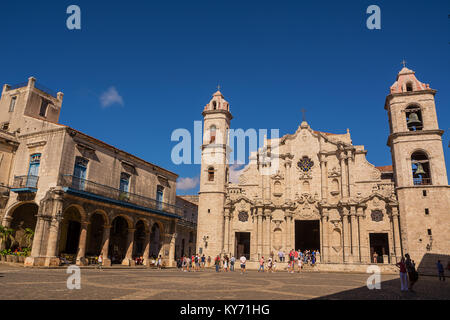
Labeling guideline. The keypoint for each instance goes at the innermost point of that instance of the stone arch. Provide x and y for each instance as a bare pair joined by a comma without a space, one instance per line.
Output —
101,213
22,218
70,228
128,219
140,237
120,226
79,208
97,222
156,238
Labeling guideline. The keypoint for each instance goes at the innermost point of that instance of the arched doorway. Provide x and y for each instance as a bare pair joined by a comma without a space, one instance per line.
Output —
95,235
118,240
155,241
23,223
139,239
70,232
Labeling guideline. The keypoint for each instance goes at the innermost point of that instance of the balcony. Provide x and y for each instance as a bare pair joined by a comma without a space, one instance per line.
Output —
422,181
102,192
25,184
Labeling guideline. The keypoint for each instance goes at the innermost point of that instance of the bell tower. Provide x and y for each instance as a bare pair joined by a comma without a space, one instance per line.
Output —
214,176
419,169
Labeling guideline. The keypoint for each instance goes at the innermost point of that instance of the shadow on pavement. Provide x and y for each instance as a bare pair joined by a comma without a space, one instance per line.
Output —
427,288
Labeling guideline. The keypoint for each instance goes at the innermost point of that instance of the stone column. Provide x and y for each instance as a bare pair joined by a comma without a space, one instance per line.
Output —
326,244
260,232
364,246
355,235
51,258
288,231
267,246
146,261
346,230
81,259
6,223
287,165
226,233
37,249
105,245
350,169
173,238
324,177
396,232
128,260
344,176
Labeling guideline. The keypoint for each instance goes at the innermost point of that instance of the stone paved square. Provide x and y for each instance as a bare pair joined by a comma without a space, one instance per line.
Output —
18,283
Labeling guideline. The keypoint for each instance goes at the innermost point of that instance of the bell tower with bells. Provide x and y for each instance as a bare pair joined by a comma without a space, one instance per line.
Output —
419,169
214,176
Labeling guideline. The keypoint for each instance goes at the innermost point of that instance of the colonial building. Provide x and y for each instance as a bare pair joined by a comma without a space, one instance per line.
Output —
317,191
81,196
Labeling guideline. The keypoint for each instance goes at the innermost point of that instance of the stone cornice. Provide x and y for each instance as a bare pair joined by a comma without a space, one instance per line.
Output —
413,133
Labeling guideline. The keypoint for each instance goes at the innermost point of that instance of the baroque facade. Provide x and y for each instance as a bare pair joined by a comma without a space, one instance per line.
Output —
314,190
81,196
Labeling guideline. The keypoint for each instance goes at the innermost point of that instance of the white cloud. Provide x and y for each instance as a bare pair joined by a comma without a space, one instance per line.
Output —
187,183
235,172
110,97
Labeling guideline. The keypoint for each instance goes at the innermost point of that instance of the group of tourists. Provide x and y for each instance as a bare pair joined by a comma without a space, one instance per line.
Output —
193,263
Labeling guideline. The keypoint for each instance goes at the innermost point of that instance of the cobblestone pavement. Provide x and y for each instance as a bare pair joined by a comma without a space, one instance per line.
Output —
122,284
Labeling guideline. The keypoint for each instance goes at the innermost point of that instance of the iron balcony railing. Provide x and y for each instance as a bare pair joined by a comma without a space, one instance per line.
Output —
37,85
22,182
84,185
422,181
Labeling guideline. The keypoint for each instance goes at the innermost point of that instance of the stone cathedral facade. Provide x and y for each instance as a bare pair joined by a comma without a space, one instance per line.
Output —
324,195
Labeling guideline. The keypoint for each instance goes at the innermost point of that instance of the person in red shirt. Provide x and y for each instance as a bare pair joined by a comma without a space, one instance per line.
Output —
403,274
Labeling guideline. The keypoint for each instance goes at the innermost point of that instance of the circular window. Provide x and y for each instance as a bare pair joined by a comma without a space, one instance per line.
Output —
243,216
305,164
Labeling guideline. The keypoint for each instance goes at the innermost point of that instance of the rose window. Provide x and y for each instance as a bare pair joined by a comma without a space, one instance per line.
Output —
243,216
305,164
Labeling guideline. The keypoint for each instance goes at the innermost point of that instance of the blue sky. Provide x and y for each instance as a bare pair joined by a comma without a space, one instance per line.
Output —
160,61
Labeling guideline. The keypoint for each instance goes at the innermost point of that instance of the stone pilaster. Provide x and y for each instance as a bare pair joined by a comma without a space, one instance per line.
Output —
346,235
324,176
128,260
81,259
363,241
355,235
267,233
105,245
325,253
226,233
396,231
146,261
260,232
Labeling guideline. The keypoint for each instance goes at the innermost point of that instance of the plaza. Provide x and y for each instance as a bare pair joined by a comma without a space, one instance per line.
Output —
139,283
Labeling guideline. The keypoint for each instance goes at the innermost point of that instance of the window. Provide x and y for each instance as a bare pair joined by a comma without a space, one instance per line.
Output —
429,232
414,118
212,134
124,182
377,215
211,174
214,105
44,105
424,192
159,196
5,126
427,211
79,173
12,104
409,87
420,168
209,210
33,170
243,216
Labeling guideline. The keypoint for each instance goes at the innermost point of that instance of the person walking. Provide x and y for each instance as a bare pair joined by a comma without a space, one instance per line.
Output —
261,264
232,261
280,256
269,265
225,263
209,261
413,276
100,262
217,263
440,269
243,260
403,275
203,260
159,263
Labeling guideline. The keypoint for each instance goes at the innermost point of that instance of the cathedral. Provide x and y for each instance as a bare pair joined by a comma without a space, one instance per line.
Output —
324,195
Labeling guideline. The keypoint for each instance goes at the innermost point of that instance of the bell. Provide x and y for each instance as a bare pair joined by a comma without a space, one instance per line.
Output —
413,119
419,169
